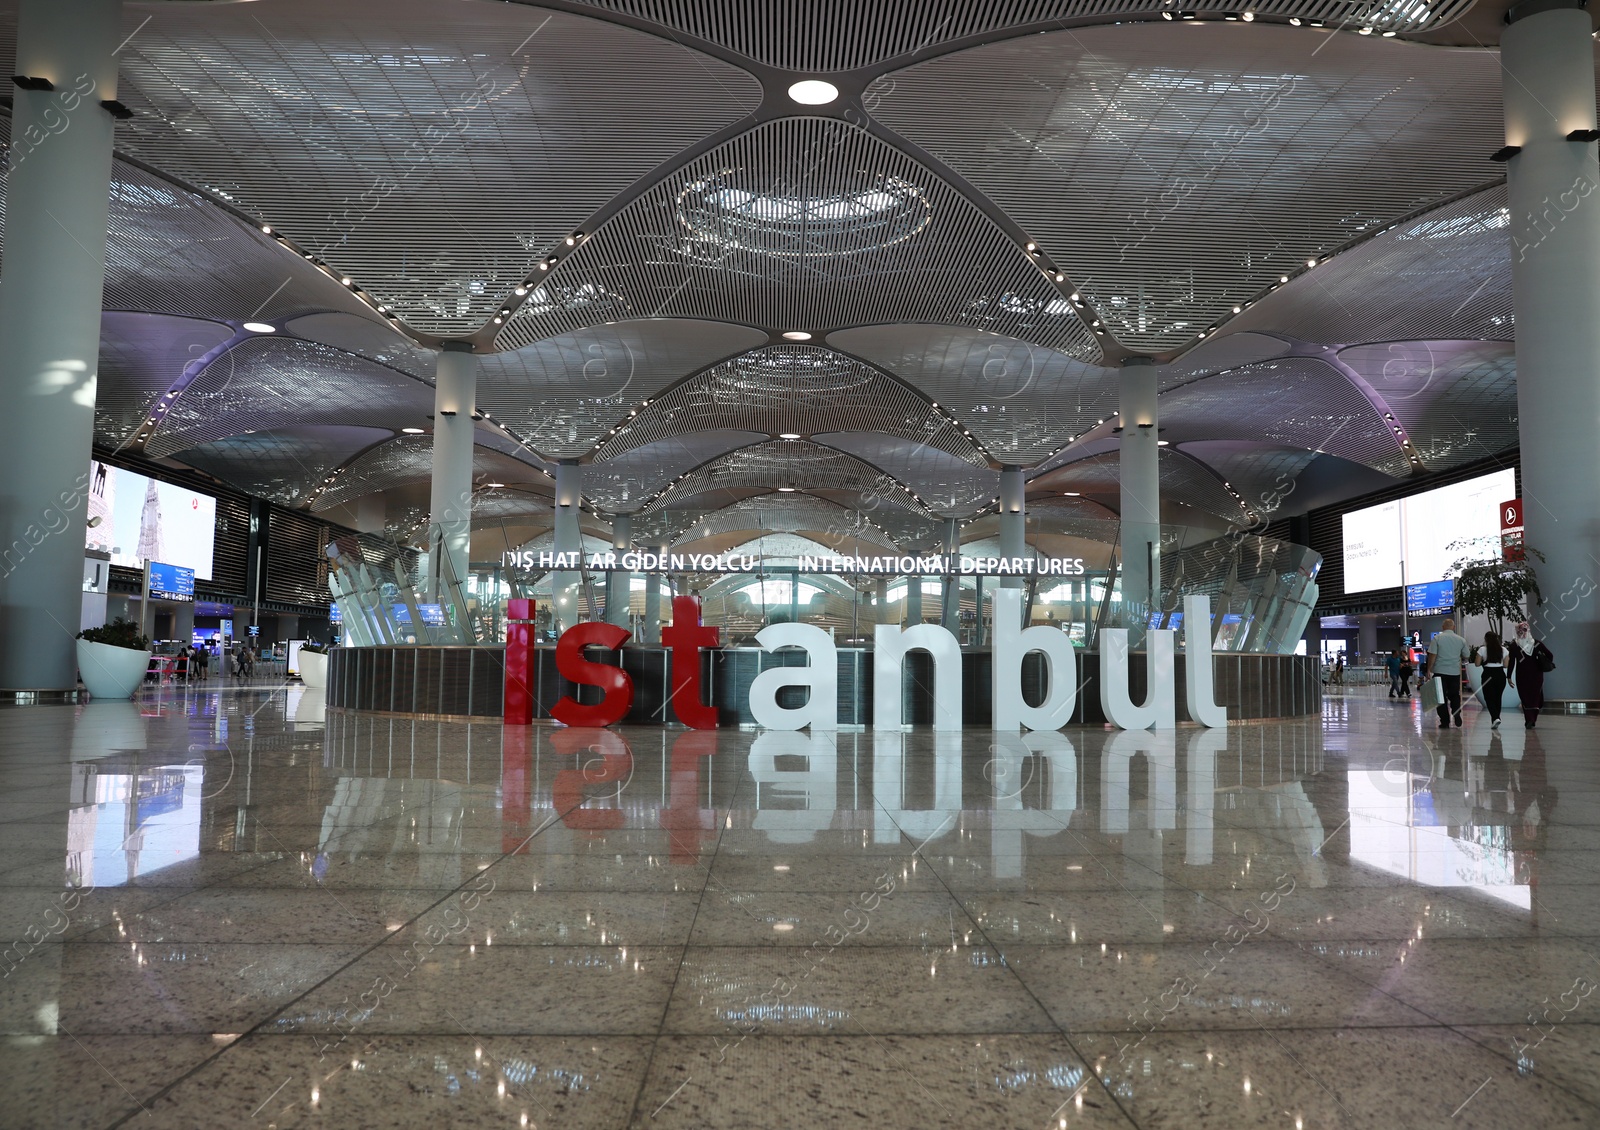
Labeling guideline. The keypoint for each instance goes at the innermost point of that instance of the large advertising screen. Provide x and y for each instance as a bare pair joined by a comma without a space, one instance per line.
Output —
1421,531
142,520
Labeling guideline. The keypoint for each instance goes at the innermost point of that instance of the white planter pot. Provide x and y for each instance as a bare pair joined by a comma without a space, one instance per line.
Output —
313,669
111,672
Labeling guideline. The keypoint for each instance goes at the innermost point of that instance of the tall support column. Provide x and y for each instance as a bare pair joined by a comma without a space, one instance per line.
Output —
1141,496
568,539
652,604
54,264
455,400
913,601
1013,520
1547,61
950,612
619,585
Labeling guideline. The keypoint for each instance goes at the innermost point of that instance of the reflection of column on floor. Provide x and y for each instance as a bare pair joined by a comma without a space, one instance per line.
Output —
1200,795
896,811
815,788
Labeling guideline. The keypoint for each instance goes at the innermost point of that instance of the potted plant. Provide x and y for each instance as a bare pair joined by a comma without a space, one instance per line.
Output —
113,659
314,664
1497,588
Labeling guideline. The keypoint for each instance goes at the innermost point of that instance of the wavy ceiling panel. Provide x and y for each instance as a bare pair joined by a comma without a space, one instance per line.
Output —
141,357
562,395
431,157
285,466
1174,170
791,466
622,483
1456,400
803,225
840,35
793,389
1020,400
272,382
408,461
1445,274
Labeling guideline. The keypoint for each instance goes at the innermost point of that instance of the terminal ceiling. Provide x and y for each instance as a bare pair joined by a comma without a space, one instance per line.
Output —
837,321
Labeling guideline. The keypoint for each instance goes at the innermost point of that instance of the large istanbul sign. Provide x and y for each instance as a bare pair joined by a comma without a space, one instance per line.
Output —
687,636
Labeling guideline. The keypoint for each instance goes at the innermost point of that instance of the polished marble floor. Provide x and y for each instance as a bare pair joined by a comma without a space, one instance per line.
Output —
229,908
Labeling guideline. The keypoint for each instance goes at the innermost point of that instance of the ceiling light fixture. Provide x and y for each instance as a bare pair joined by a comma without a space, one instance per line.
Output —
796,335
412,431
261,327
813,92
1294,21
1249,16
790,435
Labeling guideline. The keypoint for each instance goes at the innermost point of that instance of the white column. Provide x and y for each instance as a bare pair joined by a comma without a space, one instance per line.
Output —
56,209
950,612
1141,496
1013,519
619,585
455,399
1547,63
568,539
652,605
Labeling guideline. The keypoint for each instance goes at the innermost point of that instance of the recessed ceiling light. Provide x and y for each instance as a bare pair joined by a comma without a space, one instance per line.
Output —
261,327
787,490
1162,442
813,92
494,484
412,431
790,435
797,335
1071,493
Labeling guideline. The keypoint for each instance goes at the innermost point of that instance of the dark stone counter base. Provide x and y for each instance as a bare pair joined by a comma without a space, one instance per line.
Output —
469,682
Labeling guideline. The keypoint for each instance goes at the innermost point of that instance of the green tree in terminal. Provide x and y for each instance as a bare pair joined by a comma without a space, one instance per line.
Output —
1501,588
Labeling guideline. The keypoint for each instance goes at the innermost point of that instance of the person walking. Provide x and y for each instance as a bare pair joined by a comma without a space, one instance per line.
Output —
1528,658
1392,665
1408,668
1493,661
1445,654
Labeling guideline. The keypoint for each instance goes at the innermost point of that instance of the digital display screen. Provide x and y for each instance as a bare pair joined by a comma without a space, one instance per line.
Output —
171,582
432,613
1430,599
1428,531
334,616
142,520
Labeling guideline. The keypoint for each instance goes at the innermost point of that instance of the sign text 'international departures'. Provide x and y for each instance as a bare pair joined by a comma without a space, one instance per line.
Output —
645,561
686,637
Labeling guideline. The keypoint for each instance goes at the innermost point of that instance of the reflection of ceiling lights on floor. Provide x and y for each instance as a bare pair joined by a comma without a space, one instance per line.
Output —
738,209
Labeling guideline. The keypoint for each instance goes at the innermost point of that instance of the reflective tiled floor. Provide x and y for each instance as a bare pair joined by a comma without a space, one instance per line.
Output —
227,909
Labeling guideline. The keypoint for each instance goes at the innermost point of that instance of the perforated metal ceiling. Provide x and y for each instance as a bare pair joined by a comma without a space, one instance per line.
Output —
1171,172
792,389
1020,400
842,35
286,466
562,395
358,135
805,225
272,382
791,466
408,460
1174,170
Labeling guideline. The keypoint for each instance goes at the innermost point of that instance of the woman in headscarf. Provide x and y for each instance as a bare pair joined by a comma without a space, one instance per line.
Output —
1526,674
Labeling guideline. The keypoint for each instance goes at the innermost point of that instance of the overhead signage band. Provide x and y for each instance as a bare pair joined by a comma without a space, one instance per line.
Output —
644,561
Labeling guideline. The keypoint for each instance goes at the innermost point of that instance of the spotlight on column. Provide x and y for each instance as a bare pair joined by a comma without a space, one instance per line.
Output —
1584,135
116,109
1506,153
31,82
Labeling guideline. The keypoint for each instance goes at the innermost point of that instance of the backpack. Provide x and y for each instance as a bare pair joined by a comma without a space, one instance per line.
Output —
1543,657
